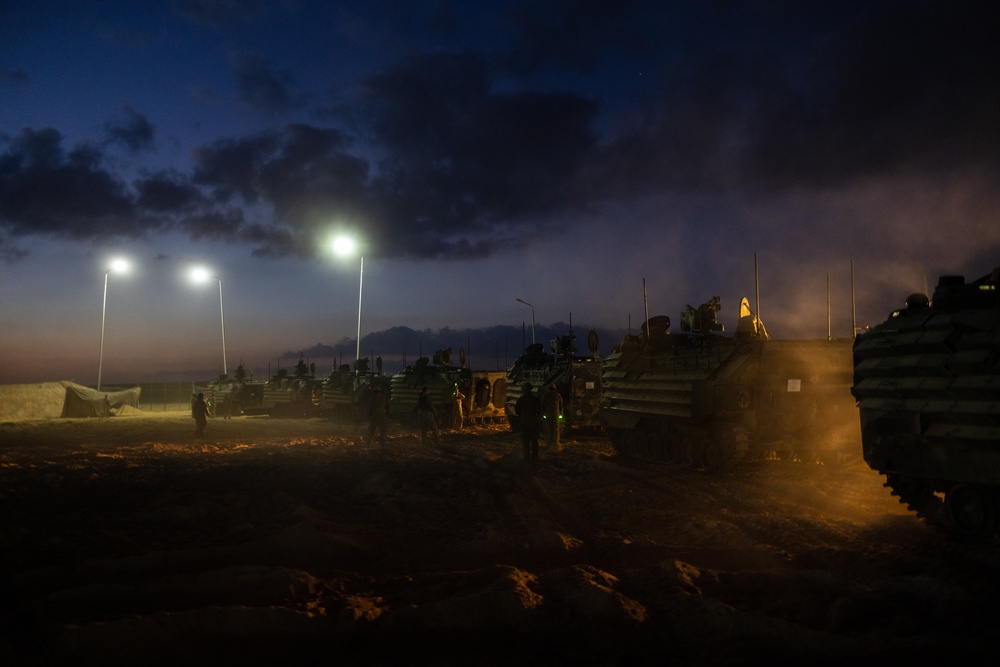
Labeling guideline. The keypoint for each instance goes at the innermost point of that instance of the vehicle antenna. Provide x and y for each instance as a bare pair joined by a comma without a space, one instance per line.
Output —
829,335
756,287
645,306
854,310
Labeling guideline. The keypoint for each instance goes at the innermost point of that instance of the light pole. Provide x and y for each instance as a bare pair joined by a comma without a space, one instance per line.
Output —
201,275
532,318
118,266
345,247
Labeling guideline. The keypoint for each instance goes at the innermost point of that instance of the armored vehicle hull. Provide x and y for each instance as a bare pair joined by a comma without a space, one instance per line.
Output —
295,395
709,401
231,397
927,381
292,398
441,379
482,392
577,379
346,394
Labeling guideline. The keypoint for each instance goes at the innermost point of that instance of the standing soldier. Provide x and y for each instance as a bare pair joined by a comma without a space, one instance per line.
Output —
529,413
427,416
199,410
552,414
378,416
458,412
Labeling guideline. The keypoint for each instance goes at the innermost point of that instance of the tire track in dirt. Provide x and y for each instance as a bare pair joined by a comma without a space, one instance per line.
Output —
529,509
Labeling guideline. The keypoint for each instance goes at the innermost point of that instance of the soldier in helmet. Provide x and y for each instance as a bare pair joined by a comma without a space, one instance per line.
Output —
529,413
427,416
552,414
378,416
458,408
199,410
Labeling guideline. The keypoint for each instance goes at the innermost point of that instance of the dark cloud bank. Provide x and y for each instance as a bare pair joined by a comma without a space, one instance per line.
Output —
489,348
431,158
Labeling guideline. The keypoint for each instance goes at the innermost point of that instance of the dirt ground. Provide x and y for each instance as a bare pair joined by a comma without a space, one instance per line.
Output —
129,540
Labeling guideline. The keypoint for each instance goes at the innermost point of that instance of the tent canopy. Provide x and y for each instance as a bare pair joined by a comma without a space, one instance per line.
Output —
86,402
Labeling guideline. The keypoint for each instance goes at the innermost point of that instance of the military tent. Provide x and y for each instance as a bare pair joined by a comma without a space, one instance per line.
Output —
86,402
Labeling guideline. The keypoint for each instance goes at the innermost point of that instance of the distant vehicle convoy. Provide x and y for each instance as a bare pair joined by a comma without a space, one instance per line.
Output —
917,395
344,395
697,397
927,382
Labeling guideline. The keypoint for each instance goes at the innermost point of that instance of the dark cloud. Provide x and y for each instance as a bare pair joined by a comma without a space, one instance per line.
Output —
419,108
44,190
10,253
274,242
167,192
302,173
262,86
14,76
465,167
321,350
909,87
916,83
312,175
446,155
495,346
219,12
460,164
576,35
127,36
704,133
134,131
232,166
222,225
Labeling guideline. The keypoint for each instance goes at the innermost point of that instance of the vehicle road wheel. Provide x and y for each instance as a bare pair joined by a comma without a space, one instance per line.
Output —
640,446
658,447
671,449
971,511
691,452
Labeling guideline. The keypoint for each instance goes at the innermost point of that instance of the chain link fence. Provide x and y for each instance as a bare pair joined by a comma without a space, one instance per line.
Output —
164,396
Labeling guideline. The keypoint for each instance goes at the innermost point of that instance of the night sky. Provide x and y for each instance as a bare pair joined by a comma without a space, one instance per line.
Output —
480,152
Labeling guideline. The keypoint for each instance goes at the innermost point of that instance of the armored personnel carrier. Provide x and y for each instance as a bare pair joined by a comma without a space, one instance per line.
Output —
294,395
232,396
708,400
441,378
927,381
577,378
346,393
482,391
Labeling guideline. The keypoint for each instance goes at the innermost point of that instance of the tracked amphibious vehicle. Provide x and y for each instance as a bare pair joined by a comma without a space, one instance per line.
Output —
232,396
439,376
576,377
346,394
483,390
927,381
708,400
292,395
